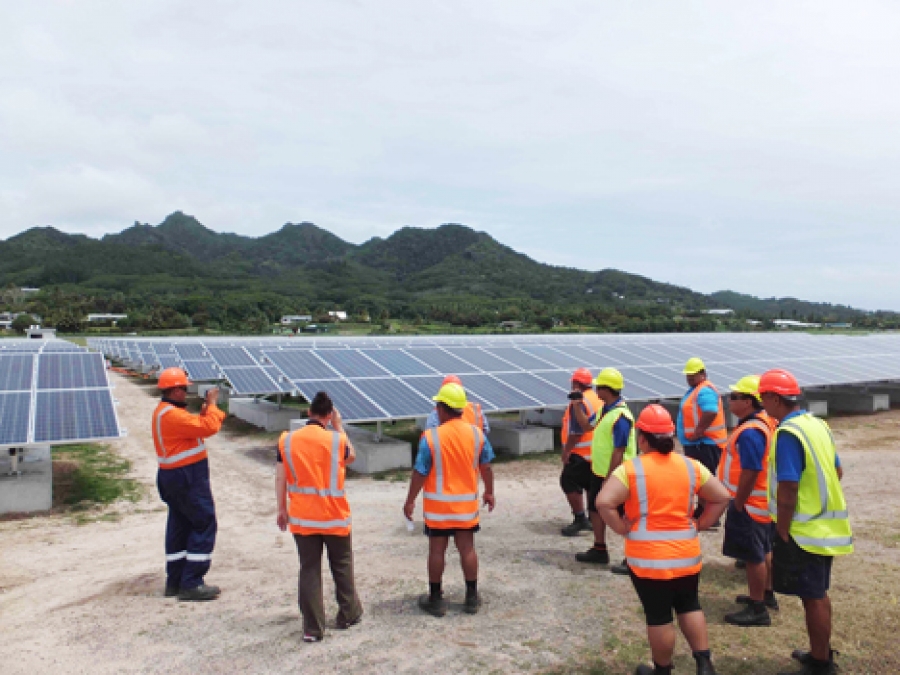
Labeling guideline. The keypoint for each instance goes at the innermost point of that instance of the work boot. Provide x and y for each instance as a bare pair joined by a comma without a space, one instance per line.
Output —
749,616
578,525
171,591
472,603
621,568
804,656
770,600
810,667
594,555
201,593
434,606
705,666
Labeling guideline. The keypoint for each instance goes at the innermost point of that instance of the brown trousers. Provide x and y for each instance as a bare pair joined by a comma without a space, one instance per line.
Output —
309,596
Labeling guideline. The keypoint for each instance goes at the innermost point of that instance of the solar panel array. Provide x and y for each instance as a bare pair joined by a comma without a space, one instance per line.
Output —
52,391
381,378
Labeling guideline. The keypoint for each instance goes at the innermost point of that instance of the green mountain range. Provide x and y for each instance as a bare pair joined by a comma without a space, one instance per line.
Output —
181,273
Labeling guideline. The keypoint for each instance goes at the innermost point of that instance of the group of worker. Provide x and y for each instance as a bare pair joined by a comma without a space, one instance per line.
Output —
777,474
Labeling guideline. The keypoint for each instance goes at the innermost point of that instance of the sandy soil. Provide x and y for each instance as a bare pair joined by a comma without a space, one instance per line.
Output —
88,599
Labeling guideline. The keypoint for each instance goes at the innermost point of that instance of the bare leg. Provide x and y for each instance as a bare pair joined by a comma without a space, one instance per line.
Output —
756,580
769,582
818,625
662,643
437,551
465,544
693,625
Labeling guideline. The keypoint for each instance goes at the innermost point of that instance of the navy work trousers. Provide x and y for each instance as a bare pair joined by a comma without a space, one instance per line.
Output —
191,528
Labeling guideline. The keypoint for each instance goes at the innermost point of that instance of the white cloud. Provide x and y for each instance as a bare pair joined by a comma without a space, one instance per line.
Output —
748,147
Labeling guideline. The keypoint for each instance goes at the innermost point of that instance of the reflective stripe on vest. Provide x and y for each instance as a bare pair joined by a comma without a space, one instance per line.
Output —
653,564
440,496
642,533
319,524
165,460
718,430
330,491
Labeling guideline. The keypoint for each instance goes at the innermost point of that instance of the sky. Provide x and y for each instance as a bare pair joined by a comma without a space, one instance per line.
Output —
745,146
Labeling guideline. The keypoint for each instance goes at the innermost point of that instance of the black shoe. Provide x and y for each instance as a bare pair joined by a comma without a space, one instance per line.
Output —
171,591
344,625
705,667
434,606
621,568
805,659
201,593
770,600
644,670
749,617
740,565
576,527
473,602
807,667
594,555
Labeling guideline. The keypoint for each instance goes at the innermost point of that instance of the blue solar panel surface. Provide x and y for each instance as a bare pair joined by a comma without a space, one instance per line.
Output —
301,365
252,380
398,362
394,396
71,371
15,409
350,363
202,371
349,400
16,371
74,415
230,356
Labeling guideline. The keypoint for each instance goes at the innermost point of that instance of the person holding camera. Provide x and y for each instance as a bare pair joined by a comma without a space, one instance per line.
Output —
577,434
183,483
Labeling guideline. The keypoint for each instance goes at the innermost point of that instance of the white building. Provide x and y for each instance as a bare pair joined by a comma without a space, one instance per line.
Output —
720,312
288,319
338,316
38,333
790,323
106,317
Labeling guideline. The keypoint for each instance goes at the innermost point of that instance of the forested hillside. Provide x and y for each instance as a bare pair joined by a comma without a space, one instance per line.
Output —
181,274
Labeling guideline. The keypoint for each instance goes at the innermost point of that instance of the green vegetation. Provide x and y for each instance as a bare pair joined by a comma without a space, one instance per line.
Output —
89,475
181,276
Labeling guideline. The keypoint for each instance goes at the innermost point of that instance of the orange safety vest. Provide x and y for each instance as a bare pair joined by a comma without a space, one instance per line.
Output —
663,542
729,471
593,405
690,411
316,467
178,435
473,414
451,487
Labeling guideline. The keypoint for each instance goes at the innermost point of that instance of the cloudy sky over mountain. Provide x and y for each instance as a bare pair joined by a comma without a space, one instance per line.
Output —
753,147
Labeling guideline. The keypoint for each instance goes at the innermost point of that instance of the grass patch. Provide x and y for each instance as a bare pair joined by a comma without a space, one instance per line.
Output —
89,475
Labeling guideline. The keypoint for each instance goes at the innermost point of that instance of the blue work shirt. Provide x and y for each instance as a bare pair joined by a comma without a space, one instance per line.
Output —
424,459
790,459
621,429
751,446
707,401
433,421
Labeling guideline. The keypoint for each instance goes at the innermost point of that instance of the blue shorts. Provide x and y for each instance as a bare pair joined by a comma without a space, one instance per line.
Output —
746,539
799,572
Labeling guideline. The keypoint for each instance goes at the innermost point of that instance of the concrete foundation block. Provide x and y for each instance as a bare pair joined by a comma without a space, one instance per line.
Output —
33,489
510,438
891,390
818,408
548,417
841,401
263,414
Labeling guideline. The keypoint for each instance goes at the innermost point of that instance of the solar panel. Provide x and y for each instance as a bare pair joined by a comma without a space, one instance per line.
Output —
15,372
301,365
539,389
397,399
75,370
169,361
252,380
230,356
398,362
554,356
442,361
191,352
74,415
520,358
278,378
202,371
429,385
351,363
501,395
15,409
352,404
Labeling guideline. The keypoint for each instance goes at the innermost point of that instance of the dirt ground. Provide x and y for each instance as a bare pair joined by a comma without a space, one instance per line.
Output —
88,598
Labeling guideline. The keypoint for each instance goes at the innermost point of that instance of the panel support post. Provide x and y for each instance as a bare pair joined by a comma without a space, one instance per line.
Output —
379,432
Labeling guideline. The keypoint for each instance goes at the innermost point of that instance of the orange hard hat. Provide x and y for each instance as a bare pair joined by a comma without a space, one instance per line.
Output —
451,379
654,419
172,377
583,376
779,382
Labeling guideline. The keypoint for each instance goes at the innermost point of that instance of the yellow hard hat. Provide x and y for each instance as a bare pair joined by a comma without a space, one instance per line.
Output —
747,385
452,395
693,366
610,377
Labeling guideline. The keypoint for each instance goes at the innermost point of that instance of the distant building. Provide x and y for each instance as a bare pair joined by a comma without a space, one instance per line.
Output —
839,325
790,323
510,325
288,319
38,333
719,312
93,318
30,291
338,316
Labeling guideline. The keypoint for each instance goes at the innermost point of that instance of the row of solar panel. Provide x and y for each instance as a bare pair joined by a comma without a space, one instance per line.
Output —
62,416
58,370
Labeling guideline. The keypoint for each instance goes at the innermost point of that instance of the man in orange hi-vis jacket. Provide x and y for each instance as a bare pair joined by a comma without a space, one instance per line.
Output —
183,483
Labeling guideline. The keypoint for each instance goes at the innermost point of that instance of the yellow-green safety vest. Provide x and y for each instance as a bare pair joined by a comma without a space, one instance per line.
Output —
603,445
821,522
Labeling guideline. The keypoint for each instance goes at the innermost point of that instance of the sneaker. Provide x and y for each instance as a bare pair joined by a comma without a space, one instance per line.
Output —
344,625
749,617
770,600
473,602
171,592
201,593
594,555
621,568
311,638
434,606
576,527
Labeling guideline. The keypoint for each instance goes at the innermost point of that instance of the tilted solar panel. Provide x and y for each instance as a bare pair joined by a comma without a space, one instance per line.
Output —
74,415
299,364
75,370
351,403
15,409
16,371
252,380
398,362
230,356
202,371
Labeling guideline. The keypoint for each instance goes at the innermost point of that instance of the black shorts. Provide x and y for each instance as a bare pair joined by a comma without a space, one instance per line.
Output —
576,475
448,531
660,596
746,539
705,453
799,572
